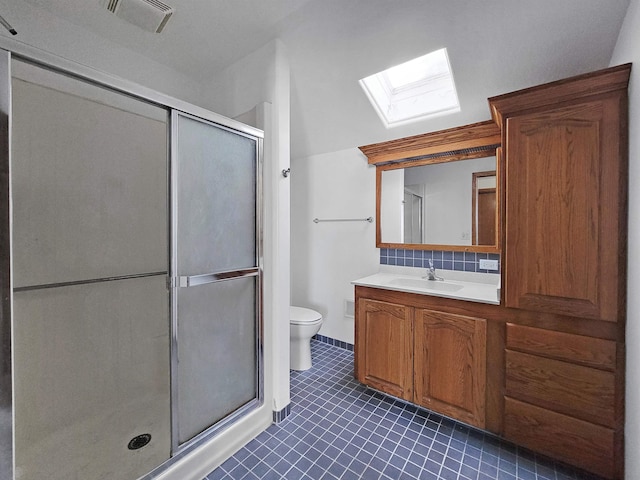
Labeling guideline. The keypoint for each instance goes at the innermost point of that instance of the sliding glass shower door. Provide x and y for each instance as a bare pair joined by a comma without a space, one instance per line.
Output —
135,290
216,295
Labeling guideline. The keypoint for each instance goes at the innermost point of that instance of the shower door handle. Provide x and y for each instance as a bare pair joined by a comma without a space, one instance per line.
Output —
193,280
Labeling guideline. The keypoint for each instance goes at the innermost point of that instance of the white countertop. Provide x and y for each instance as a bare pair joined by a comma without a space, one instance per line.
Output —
468,286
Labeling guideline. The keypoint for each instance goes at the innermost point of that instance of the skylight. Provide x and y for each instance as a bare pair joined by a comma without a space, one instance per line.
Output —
415,90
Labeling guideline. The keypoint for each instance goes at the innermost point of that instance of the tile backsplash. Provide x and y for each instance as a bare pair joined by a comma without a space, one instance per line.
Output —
460,261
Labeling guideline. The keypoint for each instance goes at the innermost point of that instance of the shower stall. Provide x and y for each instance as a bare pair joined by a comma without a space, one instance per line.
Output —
131,327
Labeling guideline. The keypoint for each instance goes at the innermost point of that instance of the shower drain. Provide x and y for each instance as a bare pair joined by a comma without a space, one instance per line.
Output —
138,442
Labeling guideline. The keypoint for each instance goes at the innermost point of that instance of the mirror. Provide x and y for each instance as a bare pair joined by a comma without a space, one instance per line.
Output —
450,203
439,190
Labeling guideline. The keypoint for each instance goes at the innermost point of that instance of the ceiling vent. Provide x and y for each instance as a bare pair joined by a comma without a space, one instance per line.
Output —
150,15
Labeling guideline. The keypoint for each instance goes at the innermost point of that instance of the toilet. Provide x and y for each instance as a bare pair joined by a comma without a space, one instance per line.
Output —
304,323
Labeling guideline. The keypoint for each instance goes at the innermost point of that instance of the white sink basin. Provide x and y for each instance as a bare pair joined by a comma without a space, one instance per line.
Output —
469,286
437,285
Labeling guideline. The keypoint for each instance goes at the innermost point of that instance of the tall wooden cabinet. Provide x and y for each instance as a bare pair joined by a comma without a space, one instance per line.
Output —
566,180
565,154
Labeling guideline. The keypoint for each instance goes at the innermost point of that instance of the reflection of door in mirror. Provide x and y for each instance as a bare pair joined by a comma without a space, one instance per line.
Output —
412,206
484,208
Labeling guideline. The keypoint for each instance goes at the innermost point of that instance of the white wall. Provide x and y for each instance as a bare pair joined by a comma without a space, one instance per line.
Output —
391,207
628,50
326,257
494,47
448,199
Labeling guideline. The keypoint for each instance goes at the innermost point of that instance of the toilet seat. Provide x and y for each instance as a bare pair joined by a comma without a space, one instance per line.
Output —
304,316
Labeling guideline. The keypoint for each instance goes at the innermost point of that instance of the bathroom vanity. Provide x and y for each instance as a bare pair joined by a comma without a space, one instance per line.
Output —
415,340
542,362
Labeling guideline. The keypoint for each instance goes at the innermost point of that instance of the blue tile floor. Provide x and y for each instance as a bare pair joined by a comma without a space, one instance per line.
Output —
340,429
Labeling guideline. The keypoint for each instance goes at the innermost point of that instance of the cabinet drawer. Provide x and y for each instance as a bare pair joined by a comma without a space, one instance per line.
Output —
588,351
574,390
568,439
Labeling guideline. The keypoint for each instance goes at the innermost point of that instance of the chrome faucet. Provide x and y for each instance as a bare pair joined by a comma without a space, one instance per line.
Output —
431,272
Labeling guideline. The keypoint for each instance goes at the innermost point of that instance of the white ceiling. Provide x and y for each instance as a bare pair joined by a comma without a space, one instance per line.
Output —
495,46
201,37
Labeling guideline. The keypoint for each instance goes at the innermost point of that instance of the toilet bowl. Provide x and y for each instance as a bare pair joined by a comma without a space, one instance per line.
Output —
304,323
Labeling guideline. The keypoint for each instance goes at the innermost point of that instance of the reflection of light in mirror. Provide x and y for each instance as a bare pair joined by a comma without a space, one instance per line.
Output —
391,206
413,214
447,205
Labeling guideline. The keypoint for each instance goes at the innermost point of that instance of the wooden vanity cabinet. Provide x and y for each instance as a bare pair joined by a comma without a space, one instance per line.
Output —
415,348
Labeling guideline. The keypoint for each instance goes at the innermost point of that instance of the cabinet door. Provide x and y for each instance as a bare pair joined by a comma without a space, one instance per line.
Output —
450,365
384,347
564,207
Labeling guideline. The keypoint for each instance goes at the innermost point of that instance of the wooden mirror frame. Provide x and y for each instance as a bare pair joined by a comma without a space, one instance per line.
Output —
477,140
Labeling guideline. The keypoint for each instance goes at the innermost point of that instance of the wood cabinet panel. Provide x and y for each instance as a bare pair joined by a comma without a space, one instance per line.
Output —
581,392
384,347
549,95
562,437
579,349
562,220
450,364
455,143
490,374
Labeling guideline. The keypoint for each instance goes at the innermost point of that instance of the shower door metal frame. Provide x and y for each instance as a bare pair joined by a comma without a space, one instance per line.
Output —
11,49
178,282
6,330
420,217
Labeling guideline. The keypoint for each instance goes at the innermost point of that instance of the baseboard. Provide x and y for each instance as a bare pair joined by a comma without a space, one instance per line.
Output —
334,342
281,414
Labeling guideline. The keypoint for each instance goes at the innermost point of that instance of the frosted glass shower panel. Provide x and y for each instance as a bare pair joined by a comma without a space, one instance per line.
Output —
217,292
216,198
89,181
217,355
91,373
